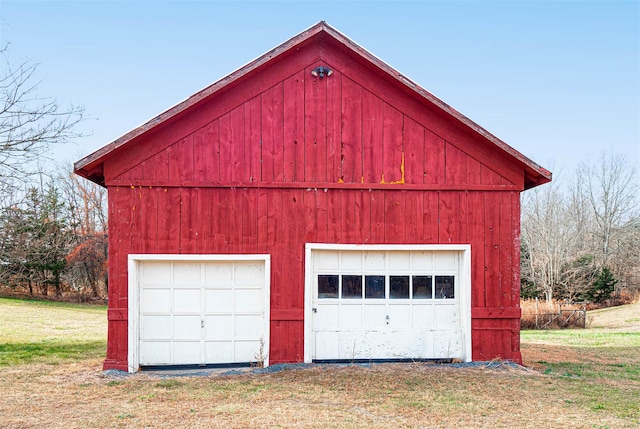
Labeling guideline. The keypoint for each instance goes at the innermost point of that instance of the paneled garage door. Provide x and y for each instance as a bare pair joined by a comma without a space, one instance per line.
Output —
199,310
387,302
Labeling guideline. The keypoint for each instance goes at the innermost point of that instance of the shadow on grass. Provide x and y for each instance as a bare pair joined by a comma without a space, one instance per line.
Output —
51,352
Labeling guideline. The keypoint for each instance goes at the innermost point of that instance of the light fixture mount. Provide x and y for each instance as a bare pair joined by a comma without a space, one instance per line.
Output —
321,72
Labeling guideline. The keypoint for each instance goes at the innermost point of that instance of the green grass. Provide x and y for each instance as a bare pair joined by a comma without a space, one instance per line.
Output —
50,332
582,338
599,369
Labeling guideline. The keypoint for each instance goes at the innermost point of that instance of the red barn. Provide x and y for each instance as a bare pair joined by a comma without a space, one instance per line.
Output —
313,205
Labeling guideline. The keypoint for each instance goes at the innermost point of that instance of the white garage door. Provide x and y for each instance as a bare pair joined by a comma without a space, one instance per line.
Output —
199,310
388,302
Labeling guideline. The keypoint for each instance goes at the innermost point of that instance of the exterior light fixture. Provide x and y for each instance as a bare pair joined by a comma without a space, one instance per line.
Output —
321,72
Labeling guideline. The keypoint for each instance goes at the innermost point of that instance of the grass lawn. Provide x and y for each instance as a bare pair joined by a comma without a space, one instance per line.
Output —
579,379
50,332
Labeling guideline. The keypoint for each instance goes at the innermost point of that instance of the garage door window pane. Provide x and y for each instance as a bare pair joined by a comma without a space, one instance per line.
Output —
352,286
327,286
399,287
374,287
444,287
422,287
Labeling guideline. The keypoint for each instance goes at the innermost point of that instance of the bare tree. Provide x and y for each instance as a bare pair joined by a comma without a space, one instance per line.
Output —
612,192
572,236
87,261
29,123
549,238
87,202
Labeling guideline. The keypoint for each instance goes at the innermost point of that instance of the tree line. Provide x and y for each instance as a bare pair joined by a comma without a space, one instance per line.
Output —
53,230
580,237
54,240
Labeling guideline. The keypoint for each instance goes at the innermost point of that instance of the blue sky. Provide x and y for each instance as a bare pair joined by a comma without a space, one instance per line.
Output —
558,81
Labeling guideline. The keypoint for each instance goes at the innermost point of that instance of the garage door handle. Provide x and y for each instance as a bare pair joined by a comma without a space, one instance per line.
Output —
315,310
202,323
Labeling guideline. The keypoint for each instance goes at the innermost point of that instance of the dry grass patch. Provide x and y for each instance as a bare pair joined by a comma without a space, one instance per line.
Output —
377,396
581,379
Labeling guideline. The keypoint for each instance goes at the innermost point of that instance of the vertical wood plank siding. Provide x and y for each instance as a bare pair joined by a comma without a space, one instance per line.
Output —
281,222
216,181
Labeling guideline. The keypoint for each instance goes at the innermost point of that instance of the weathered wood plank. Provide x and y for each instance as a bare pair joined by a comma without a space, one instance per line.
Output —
474,175
310,216
394,217
322,217
488,176
433,159
156,167
262,223
476,231
431,217
377,217
393,157
237,158
455,165
349,217
180,160
206,152
293,93
414,155
315,125
168,220
413,218
272,137
334,128
188,220
334,216
448,209
234,222
352,132
148,216
515,254
292,251
250,221
372,122
226,143
253,155
206,212
492,250
505,247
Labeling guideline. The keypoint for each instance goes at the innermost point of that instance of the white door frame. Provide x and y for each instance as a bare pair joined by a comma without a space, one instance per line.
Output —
465,284
134,260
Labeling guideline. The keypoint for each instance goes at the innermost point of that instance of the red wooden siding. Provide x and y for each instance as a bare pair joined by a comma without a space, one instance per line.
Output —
344,128
278,158
254,220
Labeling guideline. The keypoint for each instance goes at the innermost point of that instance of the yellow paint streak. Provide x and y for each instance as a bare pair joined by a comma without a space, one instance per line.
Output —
382,182
361,179
401,181
340,180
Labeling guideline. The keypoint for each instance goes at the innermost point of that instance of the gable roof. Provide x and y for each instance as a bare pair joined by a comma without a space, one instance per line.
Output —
91,166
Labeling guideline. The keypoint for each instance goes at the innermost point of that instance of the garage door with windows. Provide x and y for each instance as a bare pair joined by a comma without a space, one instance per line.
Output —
198,310
387,302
